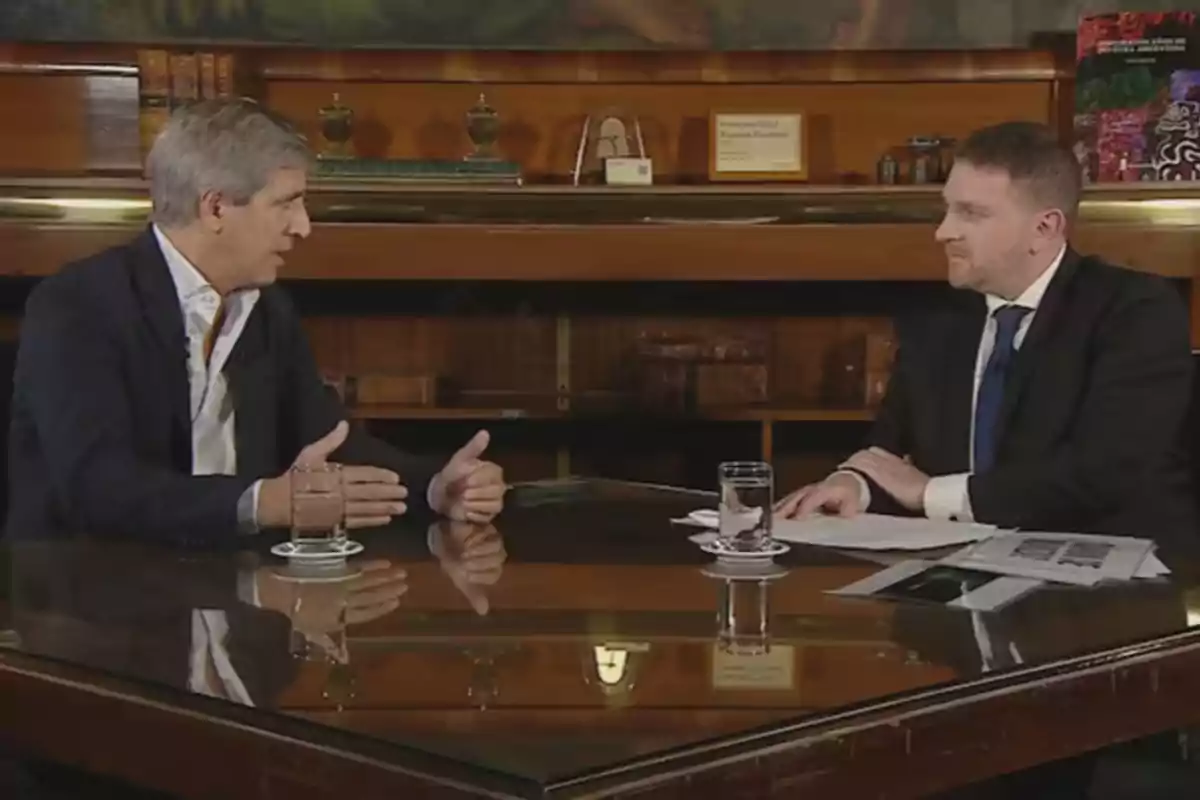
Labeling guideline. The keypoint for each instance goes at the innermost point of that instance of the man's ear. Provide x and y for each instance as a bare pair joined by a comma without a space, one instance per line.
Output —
1050,224
212,210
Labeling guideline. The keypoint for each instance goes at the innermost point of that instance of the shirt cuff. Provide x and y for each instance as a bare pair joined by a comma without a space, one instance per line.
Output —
247,509
947,497
864,488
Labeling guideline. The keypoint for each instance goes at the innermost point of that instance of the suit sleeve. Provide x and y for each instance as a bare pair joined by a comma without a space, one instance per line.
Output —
1130,413
69,370
892,430
317,410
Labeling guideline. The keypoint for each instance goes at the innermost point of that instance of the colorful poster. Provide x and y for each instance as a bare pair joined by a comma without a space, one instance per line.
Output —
1137,97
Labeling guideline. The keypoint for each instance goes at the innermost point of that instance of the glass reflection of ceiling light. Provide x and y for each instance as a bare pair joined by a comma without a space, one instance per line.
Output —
610,664
614,667
82,210
1191,606
81,203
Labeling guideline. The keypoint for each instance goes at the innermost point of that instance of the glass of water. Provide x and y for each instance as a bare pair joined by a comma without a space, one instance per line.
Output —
747,496
318,509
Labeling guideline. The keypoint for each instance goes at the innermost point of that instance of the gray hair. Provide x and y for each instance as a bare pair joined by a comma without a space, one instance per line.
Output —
226,146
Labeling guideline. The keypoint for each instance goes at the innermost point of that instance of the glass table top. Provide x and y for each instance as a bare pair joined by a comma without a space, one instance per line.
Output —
580,636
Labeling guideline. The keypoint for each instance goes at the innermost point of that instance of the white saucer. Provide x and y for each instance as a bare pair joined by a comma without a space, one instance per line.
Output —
774,548
288,550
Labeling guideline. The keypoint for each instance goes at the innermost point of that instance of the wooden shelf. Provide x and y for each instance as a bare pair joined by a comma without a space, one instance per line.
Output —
793,233
395,412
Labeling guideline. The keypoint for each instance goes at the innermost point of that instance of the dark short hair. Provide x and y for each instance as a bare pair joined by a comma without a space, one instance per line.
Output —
1033,156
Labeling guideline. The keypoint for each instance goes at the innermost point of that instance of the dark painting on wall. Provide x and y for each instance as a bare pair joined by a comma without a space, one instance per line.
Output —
563,24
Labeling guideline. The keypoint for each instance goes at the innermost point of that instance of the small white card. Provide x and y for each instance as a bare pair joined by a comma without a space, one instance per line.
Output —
623,171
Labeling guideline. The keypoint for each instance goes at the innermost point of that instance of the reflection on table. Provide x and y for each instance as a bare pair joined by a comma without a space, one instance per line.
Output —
580,633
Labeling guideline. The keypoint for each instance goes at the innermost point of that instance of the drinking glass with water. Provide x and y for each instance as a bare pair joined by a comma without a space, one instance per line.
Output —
747,497
318,509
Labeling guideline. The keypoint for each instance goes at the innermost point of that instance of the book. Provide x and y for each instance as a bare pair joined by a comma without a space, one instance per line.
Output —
1137,97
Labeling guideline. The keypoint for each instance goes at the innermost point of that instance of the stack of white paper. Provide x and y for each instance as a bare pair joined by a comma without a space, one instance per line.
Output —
863,532
1077,559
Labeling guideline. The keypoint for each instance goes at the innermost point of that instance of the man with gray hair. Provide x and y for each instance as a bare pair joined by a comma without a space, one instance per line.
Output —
165,387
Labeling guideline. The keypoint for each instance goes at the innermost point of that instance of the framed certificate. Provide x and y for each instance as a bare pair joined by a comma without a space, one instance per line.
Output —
753,146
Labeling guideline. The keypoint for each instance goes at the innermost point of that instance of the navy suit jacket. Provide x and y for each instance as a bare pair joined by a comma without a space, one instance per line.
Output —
100,434
1092,426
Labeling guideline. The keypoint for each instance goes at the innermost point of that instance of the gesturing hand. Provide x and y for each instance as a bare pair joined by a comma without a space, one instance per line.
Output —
469,489
371,496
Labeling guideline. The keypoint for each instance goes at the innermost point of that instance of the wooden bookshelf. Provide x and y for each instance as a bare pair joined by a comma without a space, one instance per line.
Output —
530,300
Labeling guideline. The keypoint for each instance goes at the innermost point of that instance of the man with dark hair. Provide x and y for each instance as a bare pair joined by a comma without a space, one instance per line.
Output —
1052,395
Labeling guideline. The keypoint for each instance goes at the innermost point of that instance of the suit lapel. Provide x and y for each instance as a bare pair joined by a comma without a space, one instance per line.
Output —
962,351
160,308
1033,346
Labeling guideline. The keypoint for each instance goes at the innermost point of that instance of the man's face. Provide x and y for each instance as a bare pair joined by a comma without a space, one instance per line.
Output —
256,235
989,230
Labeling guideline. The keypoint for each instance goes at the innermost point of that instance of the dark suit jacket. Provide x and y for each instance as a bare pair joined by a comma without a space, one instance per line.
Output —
100,435
1091,426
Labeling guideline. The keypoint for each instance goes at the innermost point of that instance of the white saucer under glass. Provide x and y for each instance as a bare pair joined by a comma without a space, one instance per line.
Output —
773,549
324,553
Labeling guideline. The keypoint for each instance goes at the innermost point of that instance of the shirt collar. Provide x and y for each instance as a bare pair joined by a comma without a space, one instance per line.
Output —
1031,298
189,282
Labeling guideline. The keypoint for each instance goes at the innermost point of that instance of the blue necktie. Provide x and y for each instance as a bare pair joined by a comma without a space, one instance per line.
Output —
991,387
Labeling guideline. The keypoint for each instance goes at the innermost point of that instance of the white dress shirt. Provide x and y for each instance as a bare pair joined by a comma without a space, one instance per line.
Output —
214,451
948,496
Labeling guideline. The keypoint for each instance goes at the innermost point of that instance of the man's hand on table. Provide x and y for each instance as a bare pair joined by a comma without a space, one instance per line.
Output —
839,495
895,475
372,495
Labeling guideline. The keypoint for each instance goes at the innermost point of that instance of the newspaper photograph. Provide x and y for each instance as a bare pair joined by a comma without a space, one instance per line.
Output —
1079,559
928,582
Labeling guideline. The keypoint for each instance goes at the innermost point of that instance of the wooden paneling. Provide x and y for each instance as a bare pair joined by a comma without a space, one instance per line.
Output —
1174,252
866,252
32,250
45,124
850,125
508,361
478,355
804,352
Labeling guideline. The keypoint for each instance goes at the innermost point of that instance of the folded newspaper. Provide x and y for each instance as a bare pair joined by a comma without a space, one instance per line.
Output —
1079,559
